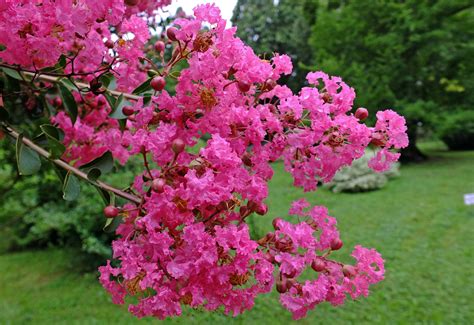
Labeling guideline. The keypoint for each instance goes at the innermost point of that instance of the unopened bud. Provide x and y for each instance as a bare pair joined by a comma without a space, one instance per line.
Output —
361,113
111,211
158,185
177,146
336,244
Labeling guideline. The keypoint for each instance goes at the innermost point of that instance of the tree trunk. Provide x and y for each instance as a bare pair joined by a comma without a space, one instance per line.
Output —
412,153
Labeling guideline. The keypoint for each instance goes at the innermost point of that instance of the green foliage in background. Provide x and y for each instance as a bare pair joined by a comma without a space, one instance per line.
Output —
457,130
33,212
413,56
270,26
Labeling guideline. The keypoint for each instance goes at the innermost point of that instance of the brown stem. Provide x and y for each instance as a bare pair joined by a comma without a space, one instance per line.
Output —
61,163
55,79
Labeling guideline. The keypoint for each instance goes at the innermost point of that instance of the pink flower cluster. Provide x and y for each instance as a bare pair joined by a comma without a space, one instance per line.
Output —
294,247
187,242
36,33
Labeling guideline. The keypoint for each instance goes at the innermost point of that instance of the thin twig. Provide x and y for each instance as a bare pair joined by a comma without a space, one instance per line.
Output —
61,163
44,76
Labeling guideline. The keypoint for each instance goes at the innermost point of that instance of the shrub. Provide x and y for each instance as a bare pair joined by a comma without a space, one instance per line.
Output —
360,178
457,130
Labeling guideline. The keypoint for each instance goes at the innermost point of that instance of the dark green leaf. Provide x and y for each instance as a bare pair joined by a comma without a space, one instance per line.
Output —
104,163
50,131
108,81
68,101
62,61
68,84
104,195
52,135
71,187
94,174
145,86
146,100
28,160
110,99
12,73
118,113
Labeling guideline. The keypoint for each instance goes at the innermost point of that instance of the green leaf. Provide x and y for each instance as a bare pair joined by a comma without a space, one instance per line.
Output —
50,130
110,99
28,161
68,84
68,101
108,81
94,174
62,61
146,100
12,73
52,135
104,195
145,86
118,113
71,187
104,163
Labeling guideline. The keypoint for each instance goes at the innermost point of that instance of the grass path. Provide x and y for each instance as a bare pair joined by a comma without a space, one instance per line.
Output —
418,222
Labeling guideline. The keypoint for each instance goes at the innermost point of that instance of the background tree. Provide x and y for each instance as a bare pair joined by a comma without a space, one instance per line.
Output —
277,26
413,56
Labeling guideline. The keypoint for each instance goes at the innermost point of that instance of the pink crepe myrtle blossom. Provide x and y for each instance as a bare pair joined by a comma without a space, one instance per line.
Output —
187,242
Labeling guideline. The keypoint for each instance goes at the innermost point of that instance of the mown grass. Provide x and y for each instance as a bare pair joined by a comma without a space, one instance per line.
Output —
418,222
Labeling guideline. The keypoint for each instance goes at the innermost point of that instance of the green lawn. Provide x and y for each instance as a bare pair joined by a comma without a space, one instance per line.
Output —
418,222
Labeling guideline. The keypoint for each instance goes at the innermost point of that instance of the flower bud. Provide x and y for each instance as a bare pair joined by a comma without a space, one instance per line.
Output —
171,33
247,159
158,83
128,110
349,271
159,46
318,265
268,85
101,101
282,285
275,223
110,211
95,84
243,86
57,101
361,113
158,185
336,244
109,44
177,146
262,209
